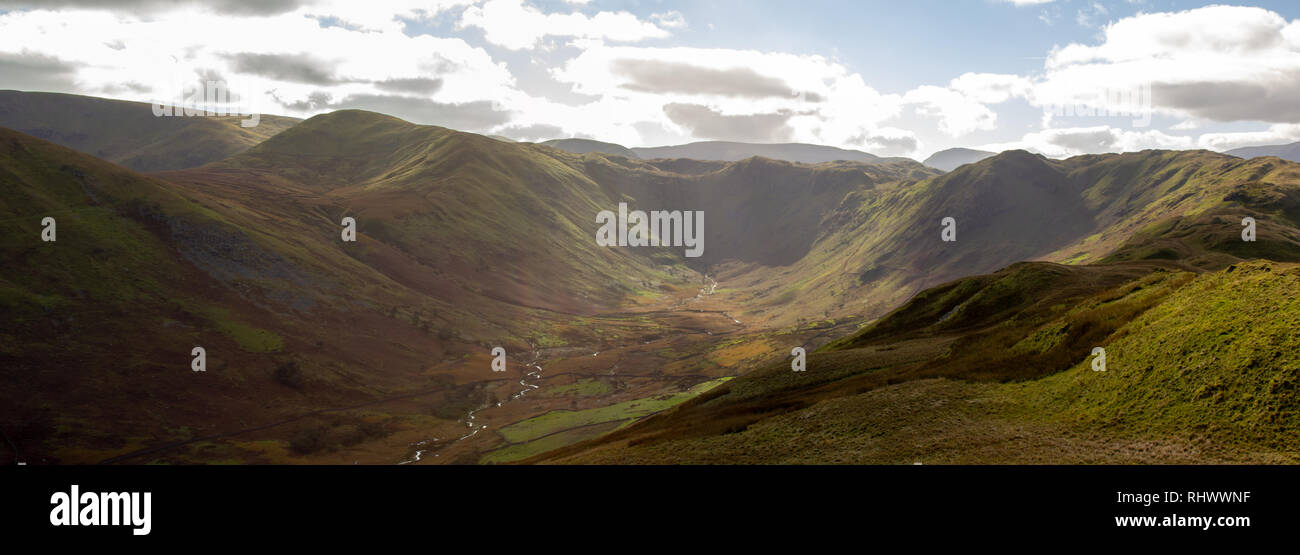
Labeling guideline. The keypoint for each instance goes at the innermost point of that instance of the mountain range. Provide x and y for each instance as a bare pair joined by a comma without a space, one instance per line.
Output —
948,317
127,133
725,151
1286,152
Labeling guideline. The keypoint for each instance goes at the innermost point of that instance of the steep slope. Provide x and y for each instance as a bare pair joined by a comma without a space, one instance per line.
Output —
953,158
102,321
1286,152
443,211
1156,196
128,133
449,199
886,244
464,243
1031,322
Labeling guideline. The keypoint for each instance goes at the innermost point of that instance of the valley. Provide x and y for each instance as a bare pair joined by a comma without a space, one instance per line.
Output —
378,351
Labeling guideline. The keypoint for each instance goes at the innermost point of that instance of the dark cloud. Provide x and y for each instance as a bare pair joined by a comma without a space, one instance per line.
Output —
36,72
655,76
1234,101
319,100
418,85
305,68
704,122
298,68
140,7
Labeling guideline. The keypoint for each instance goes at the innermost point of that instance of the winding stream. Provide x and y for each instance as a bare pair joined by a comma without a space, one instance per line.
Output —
423,447
434,445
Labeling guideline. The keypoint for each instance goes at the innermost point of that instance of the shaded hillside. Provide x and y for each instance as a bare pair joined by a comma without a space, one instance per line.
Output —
885,245
128,133
451,201
101,322
441,211
464,242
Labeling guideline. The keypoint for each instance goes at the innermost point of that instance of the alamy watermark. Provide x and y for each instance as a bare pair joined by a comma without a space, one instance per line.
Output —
203,98
75,508
658,228
1127,102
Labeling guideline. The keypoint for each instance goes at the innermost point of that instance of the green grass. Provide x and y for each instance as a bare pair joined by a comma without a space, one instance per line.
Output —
1200,368
561,420
249,338
1220,357
584,387
520,451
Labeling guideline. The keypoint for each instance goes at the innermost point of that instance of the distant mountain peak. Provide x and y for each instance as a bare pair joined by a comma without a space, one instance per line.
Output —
953,158
726,151
584,146
1286,152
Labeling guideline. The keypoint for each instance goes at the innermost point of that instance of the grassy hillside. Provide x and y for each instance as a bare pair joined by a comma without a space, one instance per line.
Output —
105,317
1199,369
883,245
128,133
378,349
464,243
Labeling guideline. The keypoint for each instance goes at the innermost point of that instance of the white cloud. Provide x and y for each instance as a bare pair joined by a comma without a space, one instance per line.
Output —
1219,63
957,113
1091,14
1275,134
991,88
300,57
1065,142
671,19
728,92
288,58
518,26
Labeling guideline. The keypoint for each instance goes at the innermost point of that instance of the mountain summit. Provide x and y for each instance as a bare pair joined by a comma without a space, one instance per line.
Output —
951,159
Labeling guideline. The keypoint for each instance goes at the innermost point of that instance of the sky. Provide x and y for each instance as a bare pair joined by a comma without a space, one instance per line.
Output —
894,78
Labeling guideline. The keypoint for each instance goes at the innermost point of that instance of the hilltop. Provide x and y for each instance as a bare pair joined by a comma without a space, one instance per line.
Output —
953,158
128,133
583,146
